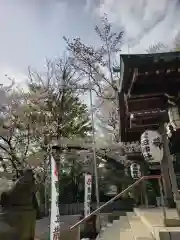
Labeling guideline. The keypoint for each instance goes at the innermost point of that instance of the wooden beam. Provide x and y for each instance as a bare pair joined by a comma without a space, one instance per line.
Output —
149,113
135,156
132,136
159,66
165,73
152,88
140,104
149,119
170,69
122,116
134,78
148,95
141,128
144,125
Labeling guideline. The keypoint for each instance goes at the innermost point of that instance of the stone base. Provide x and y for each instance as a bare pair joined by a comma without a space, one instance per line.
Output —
71,234
19,224
170,203
7,232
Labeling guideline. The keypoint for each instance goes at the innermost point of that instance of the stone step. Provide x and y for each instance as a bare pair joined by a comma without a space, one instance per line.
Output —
130,215
139,230
103,220
154,221
126,235
109,224
124,223
119,229
111,232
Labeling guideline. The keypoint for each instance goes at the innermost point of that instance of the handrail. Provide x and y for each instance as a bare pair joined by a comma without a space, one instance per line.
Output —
114,198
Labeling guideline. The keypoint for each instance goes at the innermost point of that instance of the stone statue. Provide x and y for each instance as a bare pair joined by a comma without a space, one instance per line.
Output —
19,208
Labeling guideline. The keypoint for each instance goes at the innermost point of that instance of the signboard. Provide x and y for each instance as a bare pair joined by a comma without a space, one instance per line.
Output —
87,194
55,216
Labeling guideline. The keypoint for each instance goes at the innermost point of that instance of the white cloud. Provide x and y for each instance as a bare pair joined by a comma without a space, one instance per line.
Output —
91,4
30,31
7,75
145,21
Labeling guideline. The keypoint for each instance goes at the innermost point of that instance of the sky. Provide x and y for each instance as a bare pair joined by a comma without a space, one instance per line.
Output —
33,30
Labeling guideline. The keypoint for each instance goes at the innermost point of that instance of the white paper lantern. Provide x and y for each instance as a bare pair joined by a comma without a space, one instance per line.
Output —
151,146
135,171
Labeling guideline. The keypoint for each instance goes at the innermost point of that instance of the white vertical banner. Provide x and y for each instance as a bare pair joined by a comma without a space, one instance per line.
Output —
87,194
55,215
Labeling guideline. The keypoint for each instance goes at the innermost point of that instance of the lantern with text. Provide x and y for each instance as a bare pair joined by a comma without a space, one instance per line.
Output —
151,146
135,171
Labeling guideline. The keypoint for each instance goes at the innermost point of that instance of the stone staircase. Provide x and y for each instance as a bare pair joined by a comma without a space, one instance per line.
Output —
142,224
129,227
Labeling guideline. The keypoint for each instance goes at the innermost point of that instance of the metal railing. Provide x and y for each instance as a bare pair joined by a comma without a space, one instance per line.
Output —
97,211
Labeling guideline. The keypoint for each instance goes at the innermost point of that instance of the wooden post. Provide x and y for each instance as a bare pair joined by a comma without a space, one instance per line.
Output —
142,199
162,199
145,193
144,187
172,174
77,232
165,172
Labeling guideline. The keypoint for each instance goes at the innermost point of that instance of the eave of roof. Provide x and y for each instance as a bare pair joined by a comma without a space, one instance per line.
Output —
128,61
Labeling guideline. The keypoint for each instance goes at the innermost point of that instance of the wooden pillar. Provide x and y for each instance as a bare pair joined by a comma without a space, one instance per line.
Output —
145,193
169,199
144,186
174,186
166,183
